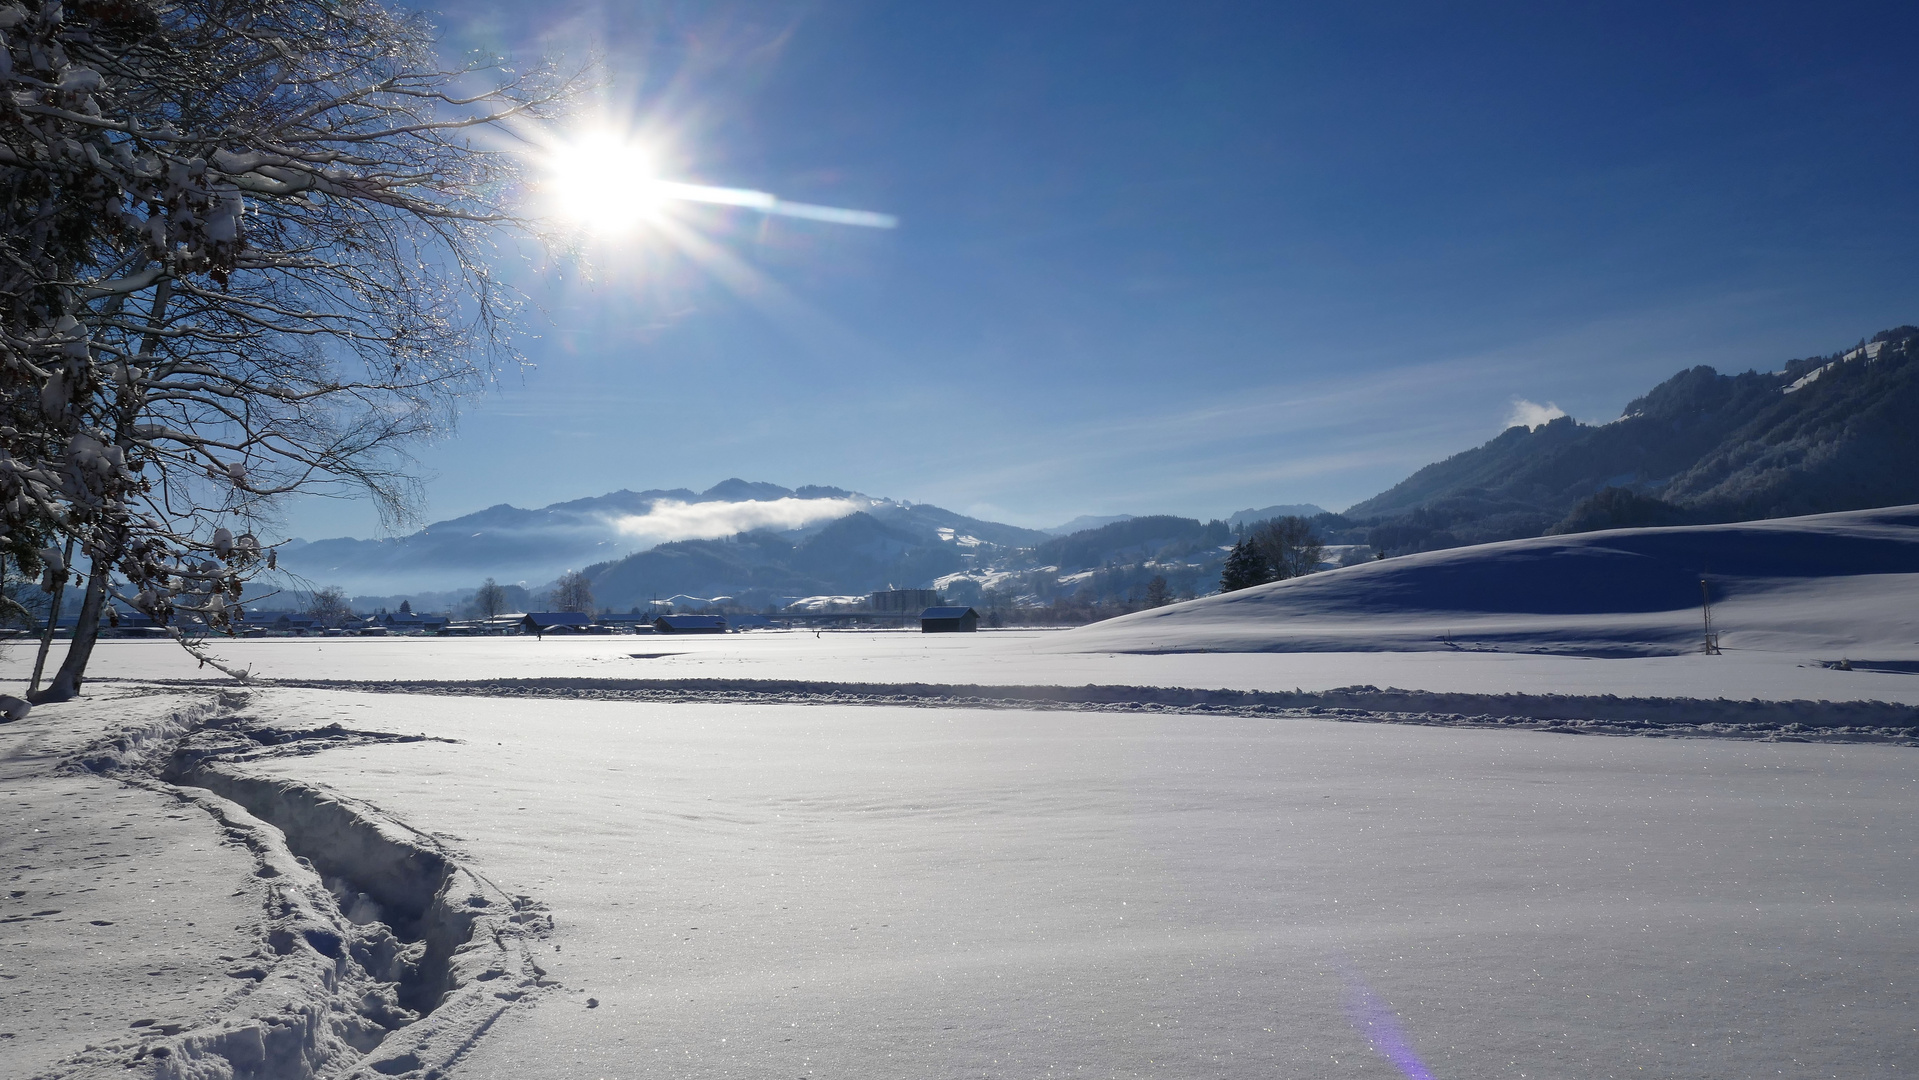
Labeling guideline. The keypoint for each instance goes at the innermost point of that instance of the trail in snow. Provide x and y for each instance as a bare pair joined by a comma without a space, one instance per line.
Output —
356,942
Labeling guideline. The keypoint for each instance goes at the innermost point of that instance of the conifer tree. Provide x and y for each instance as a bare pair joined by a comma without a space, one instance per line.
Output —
1245,568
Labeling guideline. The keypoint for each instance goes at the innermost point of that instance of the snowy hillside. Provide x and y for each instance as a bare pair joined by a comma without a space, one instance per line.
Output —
1845,583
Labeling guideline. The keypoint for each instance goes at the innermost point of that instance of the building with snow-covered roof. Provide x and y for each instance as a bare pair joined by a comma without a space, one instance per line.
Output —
408,622
540,622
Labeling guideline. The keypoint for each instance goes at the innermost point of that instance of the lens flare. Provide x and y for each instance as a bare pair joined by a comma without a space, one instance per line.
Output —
1371,1018
769,204
610,184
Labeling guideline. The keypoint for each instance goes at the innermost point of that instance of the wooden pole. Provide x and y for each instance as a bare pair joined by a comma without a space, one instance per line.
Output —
1705,606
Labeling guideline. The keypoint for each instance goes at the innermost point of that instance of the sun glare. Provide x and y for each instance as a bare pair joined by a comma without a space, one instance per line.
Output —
608,184
604,182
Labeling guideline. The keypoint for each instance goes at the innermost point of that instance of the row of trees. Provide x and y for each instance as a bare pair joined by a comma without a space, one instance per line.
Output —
243,254
573,592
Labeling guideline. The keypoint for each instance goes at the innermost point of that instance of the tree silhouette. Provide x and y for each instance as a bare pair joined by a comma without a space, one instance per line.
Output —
489,599
1245,567
1288,547
573,593
1157,594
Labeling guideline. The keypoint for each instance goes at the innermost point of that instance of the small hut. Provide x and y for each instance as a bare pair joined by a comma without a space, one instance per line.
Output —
949,620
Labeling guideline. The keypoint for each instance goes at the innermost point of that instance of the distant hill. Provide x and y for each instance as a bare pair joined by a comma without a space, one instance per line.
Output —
1247,517
512,544
1130,541
1825,433
902,547
1084,522
1829,584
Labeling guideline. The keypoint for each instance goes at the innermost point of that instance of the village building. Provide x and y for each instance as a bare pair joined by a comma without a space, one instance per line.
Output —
297,623
565,622
408,622
690,624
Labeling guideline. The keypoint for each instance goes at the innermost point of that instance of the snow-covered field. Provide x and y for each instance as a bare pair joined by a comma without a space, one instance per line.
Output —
845,891
795,854
1014,658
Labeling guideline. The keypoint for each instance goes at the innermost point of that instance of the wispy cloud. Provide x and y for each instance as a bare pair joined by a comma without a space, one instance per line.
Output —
670,519
1531,414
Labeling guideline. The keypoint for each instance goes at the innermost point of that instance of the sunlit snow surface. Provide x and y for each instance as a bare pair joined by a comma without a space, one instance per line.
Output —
826,890
874,892
1003,658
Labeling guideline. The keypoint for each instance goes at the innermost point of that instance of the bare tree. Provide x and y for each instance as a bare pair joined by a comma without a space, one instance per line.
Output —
489,599
574,592
243,255
329,606
1288,546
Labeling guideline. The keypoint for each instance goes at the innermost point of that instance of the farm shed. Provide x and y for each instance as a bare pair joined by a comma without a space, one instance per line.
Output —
690,624
948,620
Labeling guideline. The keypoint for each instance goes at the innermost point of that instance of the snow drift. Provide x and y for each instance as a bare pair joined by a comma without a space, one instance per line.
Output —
1834,582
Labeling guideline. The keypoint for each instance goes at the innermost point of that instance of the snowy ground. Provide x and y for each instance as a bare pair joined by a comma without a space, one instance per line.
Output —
1014,658
846,891
751,857
124,911
780,891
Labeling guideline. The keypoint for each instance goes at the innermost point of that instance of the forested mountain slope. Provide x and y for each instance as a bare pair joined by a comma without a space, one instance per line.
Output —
1825,433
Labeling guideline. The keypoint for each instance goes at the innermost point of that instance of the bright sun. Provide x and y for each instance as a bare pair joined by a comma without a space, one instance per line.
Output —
603,181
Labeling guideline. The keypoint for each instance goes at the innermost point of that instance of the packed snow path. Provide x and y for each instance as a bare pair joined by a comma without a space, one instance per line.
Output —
797,891
318,938
124,912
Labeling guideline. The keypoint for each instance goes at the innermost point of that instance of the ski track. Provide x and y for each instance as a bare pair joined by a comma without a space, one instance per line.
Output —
378,952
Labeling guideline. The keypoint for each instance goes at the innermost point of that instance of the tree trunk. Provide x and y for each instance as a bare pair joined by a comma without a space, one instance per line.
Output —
53,619
65,685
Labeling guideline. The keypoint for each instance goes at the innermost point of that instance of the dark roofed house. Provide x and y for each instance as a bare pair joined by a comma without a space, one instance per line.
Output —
413,623
690,624
949,620
565,622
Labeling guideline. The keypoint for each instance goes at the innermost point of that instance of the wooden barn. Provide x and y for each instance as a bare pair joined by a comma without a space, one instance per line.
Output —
949,620
559,622
690,624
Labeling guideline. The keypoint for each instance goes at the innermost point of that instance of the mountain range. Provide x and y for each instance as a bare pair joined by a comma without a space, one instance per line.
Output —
664,539
1822,433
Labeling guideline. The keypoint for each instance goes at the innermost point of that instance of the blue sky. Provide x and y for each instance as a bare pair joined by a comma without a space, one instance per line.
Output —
1188,258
